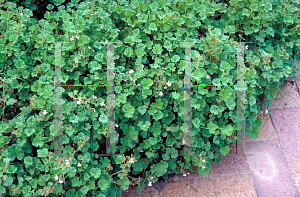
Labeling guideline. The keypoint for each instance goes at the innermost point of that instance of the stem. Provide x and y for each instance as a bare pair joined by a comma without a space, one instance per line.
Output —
3,102
117,172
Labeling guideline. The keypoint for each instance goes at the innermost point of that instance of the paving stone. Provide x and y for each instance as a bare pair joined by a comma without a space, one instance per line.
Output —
269,169
148,191
235,185
287,98
189,188
296,178
266,131
287,127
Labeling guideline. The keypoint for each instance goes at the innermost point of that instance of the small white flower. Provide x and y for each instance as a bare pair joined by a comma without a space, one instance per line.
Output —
116,125
203,160
143,125
78,102
161,93
76,60
169,83
185,130
207,76
44,112
131,71
203,166
150,183
246,46
183,141
77,37
78,164
94,97
89,47
266,111
131,160
184,174
21,13
165,87
102,104
75,32
67,162
94,109
56,177
72,38
60,181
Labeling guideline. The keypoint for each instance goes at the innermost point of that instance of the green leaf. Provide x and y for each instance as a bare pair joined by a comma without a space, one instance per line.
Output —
140,164
228,130
15,151
103,118
158,115
224,66
96,172
246,12
93,65
71,171
73,118
214,109
68,25
271,94
175,58
196,122
124,183
28,161
278,63
128,52
84,190
224,150
43,152
212,127
142,110
149,154
152,27
144,126
226,93
160,168
38,141
157,49
159,104
122,98
20,64
230,29
152,140
254,6
128,110
252,101
104,184
50,6
10,101
140,52
147,83
7,181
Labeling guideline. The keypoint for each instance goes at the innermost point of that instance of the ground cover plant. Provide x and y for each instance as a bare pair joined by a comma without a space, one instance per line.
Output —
149,88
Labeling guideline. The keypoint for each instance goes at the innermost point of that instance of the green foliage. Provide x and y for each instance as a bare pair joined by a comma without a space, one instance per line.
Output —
149,105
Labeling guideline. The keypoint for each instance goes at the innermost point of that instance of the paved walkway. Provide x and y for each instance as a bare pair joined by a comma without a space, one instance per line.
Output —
272,171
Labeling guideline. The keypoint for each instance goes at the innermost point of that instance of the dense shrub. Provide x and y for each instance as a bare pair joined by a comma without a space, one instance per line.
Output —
149,100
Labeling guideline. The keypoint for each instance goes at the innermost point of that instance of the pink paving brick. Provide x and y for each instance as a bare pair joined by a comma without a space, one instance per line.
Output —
269,169
287,126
